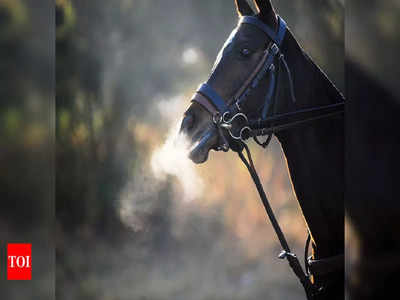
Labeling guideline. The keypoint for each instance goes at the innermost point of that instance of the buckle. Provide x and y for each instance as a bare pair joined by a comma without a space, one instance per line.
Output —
272,68
274,49
284,254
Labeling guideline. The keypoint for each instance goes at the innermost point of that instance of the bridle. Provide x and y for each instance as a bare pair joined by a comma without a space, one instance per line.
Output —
229,117
227,114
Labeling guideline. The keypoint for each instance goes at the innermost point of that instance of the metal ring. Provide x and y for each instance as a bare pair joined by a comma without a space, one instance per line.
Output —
240,136
229,121
241,132
234,136
224,118
238,115
226,124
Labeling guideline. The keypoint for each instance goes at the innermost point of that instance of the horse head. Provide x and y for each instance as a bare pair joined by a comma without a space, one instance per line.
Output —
241,84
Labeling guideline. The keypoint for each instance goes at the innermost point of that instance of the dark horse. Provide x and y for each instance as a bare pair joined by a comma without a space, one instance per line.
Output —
314,150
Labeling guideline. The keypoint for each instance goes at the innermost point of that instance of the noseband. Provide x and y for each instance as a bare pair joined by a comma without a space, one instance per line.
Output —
228,116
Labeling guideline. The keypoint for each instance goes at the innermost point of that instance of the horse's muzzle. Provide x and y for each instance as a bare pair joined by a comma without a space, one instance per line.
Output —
200,149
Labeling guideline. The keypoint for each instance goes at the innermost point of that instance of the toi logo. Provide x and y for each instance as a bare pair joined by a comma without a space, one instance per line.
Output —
19,261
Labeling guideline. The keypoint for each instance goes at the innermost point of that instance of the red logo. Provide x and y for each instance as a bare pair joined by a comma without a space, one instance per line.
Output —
19,261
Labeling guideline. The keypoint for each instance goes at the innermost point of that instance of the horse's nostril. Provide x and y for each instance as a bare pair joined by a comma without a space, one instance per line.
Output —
187,122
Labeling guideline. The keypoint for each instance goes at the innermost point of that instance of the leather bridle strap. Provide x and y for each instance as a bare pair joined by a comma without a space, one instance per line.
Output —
264,127
205,103
292,259
252,75
277,37
206,90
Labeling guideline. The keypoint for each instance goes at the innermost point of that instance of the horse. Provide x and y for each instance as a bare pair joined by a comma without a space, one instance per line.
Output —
263,83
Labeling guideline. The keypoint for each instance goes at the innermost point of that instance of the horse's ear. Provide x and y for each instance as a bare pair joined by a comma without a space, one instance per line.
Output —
243,8
264,7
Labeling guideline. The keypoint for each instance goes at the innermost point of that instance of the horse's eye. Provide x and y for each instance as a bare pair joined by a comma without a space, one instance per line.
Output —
245,52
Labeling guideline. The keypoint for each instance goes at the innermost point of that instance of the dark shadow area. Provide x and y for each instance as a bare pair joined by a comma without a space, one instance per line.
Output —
372,206
26,143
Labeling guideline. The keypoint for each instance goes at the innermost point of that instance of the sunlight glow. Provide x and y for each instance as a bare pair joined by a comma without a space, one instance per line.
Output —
190,56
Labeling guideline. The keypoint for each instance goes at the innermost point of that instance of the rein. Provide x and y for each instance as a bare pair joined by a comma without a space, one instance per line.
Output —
228,117
286,252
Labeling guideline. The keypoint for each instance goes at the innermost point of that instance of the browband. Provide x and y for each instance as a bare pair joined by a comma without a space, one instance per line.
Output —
277,37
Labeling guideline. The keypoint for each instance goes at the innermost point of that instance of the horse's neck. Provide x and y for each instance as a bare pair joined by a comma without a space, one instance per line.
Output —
314,154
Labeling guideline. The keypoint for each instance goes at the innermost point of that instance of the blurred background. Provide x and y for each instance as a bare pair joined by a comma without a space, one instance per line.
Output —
135,220
372,40
27,113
